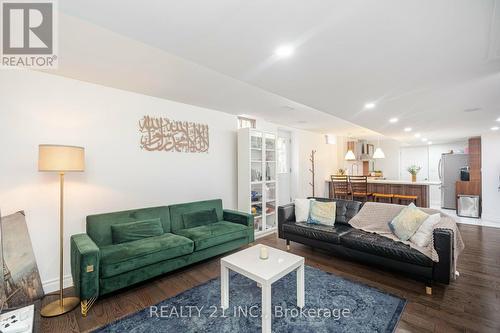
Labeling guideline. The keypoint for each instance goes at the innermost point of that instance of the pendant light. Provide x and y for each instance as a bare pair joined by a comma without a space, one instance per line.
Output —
349,156
379,153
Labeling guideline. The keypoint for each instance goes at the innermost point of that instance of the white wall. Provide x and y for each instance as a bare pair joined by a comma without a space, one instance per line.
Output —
303,142
390,164
490,167
41,108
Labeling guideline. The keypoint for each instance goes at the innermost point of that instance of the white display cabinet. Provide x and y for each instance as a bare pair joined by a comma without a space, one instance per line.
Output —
257,186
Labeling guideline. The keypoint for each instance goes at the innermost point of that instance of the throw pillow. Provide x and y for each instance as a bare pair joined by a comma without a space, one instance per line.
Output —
424,234
302,207
131,231
199,218
407,222
322,213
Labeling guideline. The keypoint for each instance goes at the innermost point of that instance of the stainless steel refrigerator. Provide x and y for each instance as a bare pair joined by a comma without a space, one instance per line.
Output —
449,173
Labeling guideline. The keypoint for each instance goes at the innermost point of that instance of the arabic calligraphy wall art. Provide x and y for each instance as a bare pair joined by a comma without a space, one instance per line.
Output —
164,134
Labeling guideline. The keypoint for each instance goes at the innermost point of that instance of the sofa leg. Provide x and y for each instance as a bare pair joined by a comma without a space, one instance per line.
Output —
86,304
288,245
428,290
83,307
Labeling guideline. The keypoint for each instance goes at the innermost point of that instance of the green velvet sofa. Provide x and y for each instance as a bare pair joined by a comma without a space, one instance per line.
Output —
123,248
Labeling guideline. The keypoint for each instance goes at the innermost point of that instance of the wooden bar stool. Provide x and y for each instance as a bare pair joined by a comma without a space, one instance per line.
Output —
378,196
359,188
406,198
340,185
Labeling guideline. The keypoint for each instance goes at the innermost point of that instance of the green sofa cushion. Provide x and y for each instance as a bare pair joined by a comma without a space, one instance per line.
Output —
176,211
198,218
110,284
213,234
124,257
131,231
99,226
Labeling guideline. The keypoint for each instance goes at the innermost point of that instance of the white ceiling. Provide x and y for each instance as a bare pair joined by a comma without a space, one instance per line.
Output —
423,61
94,54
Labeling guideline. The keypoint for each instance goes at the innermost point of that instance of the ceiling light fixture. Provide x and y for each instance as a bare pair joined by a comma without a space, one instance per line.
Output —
417,135
498,119
429,142
424,139
369,106
495,128
379,153
393,120
407,129
349,156
284,51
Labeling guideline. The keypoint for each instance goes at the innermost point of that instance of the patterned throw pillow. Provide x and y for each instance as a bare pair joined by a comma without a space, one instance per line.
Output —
407,222
322,213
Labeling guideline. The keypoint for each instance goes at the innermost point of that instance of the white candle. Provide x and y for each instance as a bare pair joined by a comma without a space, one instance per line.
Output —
263,252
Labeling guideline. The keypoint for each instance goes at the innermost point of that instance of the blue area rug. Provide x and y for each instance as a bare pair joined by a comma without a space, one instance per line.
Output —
332,304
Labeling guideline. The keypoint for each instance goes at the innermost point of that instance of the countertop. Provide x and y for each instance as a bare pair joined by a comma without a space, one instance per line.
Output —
402,182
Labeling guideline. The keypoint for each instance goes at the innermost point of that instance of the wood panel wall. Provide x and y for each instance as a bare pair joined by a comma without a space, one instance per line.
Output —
475,158
472,187
421,191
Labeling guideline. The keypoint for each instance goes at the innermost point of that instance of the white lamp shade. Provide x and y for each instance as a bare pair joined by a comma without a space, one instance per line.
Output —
349,156
379,153
60,158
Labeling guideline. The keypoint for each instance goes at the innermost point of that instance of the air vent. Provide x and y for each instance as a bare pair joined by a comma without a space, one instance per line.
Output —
472,109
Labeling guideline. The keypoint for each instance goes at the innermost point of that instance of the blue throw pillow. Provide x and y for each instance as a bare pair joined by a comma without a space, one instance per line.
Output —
407,222
322,213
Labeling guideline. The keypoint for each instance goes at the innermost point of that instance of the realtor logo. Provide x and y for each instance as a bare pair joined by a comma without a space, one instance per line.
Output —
28,30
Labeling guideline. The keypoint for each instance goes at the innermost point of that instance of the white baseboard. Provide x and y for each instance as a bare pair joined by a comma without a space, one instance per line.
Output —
53,284
488,218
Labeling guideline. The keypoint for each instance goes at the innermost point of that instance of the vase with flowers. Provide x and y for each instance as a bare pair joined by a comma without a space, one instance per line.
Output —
413,170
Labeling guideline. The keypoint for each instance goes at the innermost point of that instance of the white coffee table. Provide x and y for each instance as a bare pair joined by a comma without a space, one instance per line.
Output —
264,272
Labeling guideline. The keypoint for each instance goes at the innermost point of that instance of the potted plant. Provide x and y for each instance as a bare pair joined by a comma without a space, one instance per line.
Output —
413,170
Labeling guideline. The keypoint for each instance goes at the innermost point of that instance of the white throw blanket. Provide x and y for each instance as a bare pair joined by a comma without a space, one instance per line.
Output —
375,217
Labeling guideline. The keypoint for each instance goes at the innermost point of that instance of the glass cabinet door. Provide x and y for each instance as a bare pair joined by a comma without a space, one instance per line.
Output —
256,148
270,157
270,209
256,206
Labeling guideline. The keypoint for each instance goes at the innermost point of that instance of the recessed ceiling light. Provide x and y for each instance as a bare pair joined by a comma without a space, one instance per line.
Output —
393,120
424,139
429,142
284,51
407,129
498,119
417,135
495,128
370,106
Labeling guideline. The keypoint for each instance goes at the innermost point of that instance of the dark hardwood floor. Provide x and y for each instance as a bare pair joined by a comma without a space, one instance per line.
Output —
470,304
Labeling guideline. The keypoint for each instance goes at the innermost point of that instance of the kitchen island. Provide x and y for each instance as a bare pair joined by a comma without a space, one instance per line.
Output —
388,186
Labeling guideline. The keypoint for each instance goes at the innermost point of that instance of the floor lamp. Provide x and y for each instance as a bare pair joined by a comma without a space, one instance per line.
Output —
61,159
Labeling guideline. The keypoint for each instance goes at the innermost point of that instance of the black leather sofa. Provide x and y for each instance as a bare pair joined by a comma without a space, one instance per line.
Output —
369,248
